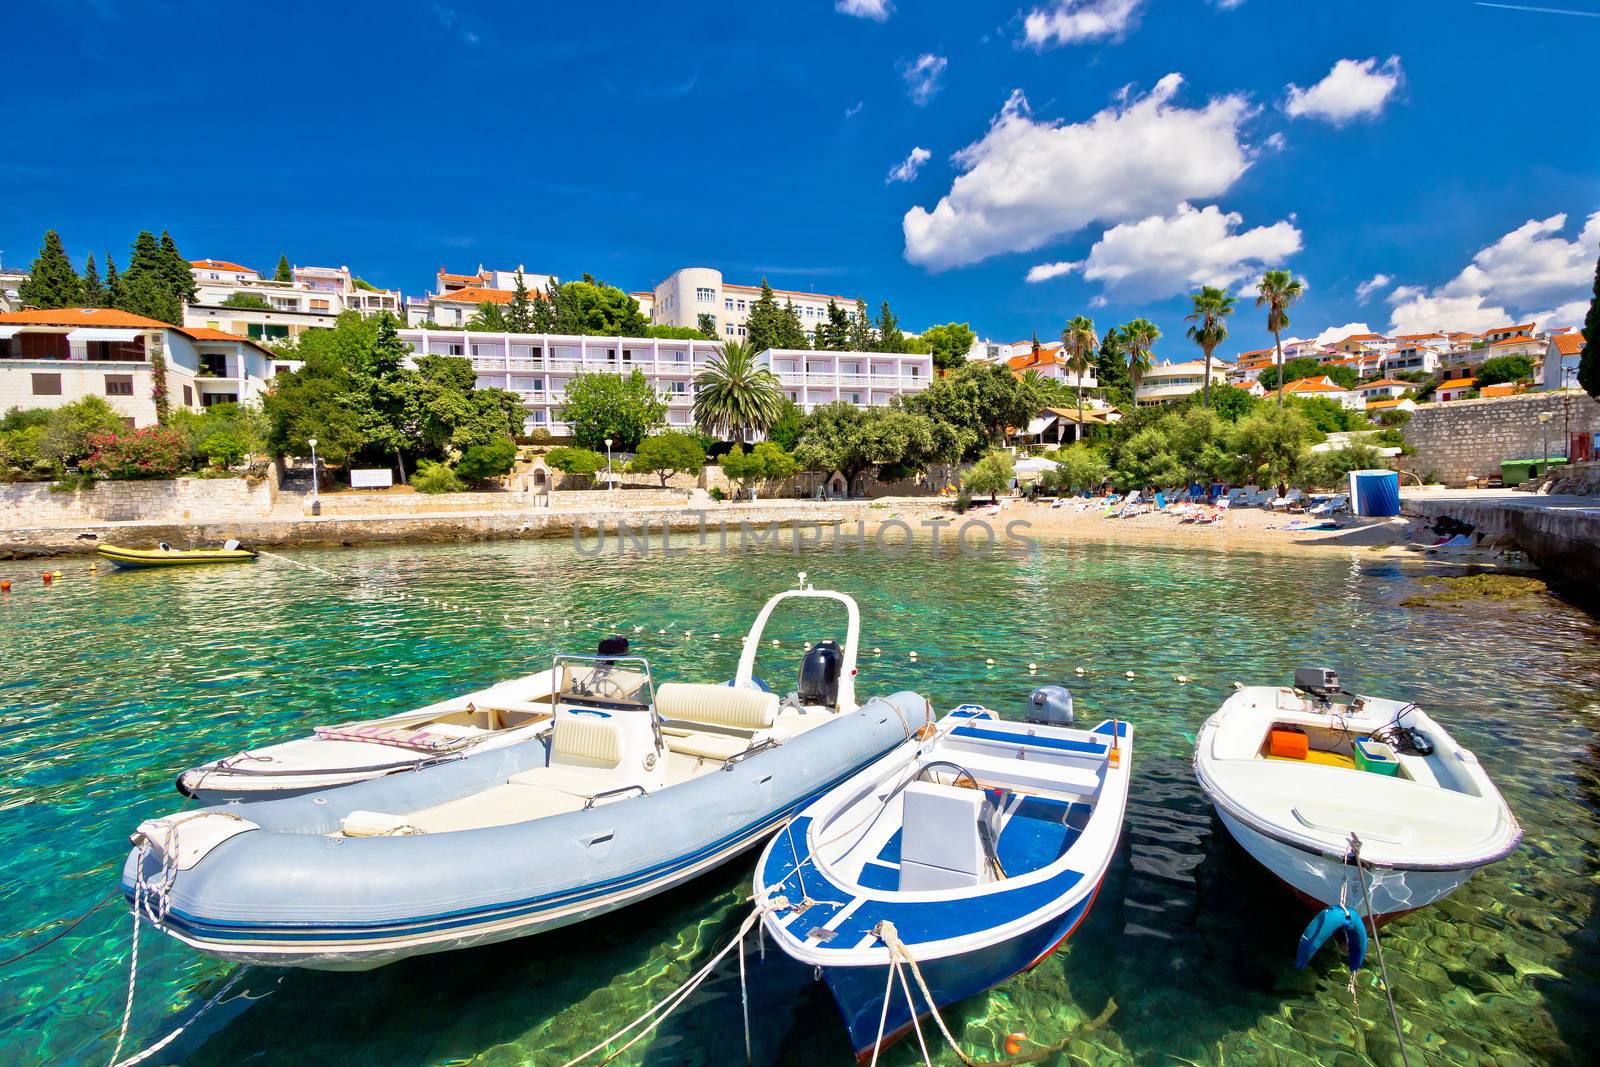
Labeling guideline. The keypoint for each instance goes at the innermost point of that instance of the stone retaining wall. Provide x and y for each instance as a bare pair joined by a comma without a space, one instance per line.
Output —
31,504
1463,439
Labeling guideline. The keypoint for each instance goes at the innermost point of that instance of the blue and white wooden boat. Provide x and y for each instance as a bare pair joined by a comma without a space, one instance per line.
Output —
983,842
633,790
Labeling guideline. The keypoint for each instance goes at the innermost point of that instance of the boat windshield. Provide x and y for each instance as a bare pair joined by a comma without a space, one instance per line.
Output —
620,682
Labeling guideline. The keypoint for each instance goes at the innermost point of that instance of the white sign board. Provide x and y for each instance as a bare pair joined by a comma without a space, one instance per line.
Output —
379,479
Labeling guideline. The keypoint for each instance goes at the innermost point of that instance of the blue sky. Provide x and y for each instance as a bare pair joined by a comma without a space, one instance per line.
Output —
1120,150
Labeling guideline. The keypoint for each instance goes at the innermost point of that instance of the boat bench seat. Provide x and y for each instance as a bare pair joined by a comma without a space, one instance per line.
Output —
717,705
703,744
581,741
1036,774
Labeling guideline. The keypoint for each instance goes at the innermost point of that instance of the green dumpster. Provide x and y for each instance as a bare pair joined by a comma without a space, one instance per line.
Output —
1517,471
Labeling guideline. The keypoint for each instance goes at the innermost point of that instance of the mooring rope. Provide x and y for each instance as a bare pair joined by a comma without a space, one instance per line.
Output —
1383,969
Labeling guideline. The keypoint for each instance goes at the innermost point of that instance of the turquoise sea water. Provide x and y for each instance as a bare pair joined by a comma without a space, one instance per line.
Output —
111,684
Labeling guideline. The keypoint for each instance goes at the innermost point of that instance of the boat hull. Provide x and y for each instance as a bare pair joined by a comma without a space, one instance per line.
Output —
1320,878
141,558
287,888
859,990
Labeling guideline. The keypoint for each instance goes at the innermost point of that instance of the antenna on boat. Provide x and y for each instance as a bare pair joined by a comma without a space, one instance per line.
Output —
803,580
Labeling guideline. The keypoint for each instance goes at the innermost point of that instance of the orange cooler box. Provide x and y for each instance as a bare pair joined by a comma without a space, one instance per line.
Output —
1288,743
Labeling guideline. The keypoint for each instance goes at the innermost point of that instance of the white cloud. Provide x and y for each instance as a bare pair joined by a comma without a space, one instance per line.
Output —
854,109
907,168
1334,334
922,76
1071,21
1227,5
1162,256
1043,272
1027,182
1365,290
1532,273
1354,88
876,10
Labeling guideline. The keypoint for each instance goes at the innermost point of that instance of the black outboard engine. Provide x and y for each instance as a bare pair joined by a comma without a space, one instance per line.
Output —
612,646
819,674
1320,682
1050,705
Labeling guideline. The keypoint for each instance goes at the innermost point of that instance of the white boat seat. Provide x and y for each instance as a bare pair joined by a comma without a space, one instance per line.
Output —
585,741
1027,773
703,744
939,843
574,781
717,705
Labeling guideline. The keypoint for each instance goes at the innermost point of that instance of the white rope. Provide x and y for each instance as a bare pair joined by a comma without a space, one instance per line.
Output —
916,1023
744,1002
1388,990
886,933
672,1001
133,956
216,998
883,1018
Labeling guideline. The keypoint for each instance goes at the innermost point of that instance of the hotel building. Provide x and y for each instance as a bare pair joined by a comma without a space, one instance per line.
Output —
689,292
538,368
1166,381
51,358
279,311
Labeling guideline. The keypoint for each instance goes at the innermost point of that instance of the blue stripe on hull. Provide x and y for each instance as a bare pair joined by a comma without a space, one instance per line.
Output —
859,990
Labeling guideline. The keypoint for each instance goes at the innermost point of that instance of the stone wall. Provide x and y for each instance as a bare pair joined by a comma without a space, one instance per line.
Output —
32,504
1462,439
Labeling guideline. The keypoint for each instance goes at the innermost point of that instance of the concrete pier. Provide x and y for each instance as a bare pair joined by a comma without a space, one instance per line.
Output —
1559,533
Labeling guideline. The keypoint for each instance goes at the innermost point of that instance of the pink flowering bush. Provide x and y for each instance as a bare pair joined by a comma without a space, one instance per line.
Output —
150,452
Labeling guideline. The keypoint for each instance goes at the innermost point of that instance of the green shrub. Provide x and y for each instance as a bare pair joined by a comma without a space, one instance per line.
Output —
992,474
150,452
23,419
717,494
1077,467
963,500
20,460
1327,470
482,462
69,428
578,462
540,436
666,454
225,450
431,477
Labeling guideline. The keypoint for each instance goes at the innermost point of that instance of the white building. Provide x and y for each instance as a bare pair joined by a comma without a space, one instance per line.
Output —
689,292
11,280
1410,356
1167,381
51,358
538,367
1560,370
1051,362
1383,389
237,300
456,298
1327,389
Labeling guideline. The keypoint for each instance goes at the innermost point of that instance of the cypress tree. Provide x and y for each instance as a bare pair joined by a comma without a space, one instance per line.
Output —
861,339
52,283
283,273
764,328
791,331
94,293
146,287
890,339
113,283
176,269
1589,362
519,314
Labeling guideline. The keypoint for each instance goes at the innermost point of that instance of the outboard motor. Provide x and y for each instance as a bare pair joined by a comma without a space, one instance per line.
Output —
1050,705
819,674
1320,682
612,646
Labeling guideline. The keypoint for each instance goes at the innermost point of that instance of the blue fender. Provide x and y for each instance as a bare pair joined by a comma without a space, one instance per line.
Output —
1324,925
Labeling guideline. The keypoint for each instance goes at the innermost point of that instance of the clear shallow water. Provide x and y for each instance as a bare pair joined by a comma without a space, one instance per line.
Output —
110,685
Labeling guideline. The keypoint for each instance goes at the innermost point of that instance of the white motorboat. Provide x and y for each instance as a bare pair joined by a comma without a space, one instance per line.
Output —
337,754
635,790
1320,792
974,849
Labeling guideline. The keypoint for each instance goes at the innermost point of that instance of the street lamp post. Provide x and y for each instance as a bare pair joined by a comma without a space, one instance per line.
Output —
313,443
1544,436
610,483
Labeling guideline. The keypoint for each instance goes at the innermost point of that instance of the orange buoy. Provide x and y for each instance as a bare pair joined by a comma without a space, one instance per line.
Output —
5,585
46,576
1014,1042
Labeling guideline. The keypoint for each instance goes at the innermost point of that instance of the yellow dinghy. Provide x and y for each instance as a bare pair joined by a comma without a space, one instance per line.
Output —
165,555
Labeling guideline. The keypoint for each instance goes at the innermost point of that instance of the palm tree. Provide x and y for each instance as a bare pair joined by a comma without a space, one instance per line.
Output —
1212,306
1078,342
734,395
1277,291
1138,338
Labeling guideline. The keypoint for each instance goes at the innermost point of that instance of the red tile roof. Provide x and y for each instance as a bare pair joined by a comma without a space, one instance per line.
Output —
220,264
85,317
1501,389
476,295
1521,327
1378,405
1519,339
1456,383
1313,385
1386,381
1569,344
